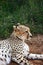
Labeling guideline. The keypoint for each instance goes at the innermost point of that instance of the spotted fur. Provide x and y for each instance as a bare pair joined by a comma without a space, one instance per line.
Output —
15,47
5,52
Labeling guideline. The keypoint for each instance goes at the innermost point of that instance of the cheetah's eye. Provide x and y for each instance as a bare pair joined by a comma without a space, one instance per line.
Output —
26,31
16,30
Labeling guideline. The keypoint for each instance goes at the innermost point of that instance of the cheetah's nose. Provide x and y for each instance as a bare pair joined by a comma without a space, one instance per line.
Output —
31,35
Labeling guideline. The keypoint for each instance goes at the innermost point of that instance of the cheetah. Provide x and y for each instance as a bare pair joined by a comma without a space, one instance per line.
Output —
15,47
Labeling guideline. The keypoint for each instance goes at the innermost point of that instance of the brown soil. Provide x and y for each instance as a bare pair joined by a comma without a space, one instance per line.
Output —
36,46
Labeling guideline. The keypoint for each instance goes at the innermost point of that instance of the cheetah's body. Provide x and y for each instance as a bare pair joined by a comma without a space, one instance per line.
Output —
15,47
19,48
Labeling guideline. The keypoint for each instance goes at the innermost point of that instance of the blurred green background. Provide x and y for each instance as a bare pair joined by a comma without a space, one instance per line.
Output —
28,12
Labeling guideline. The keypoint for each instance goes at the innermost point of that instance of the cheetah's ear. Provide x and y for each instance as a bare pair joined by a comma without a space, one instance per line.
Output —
16,25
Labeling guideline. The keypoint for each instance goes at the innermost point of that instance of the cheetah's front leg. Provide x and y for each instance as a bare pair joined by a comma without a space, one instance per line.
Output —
21,60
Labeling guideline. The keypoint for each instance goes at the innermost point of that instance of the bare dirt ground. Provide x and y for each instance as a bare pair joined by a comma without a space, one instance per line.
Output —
36,46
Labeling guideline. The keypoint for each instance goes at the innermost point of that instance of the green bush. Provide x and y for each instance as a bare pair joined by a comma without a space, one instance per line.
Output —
28,12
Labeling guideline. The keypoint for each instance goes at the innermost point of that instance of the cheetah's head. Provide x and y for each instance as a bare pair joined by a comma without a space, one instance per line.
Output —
22,32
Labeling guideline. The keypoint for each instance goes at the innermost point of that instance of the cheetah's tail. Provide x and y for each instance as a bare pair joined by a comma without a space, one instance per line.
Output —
35,56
